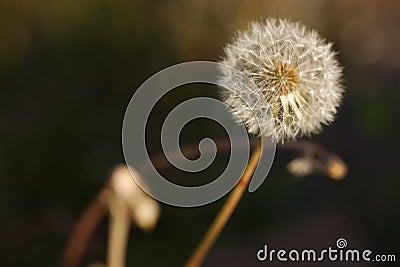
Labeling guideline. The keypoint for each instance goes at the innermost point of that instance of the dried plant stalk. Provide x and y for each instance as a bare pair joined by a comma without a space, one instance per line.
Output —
83,231
118,232
226,212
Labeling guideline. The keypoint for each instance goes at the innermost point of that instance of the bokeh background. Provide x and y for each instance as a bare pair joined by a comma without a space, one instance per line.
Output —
68,69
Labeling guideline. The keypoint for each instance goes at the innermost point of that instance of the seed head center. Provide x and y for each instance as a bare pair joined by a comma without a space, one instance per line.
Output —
285,78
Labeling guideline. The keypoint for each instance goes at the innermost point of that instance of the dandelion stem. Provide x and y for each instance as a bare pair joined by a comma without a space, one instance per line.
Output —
225,212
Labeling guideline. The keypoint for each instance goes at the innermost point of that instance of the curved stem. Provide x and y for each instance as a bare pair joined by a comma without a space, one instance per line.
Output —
226,212
83,231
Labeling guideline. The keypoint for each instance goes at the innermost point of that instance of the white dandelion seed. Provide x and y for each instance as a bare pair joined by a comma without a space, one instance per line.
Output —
296,71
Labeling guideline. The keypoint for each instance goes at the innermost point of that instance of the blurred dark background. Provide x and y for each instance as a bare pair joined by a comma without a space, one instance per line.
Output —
69,68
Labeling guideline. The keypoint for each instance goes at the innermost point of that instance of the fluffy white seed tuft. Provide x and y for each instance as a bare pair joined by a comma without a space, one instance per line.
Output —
296,71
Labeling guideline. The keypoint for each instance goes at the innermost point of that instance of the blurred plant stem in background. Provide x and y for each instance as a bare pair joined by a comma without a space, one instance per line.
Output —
314,158
118,233
126,203
83,231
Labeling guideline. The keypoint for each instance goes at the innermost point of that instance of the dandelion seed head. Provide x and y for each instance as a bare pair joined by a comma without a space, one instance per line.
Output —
296,71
